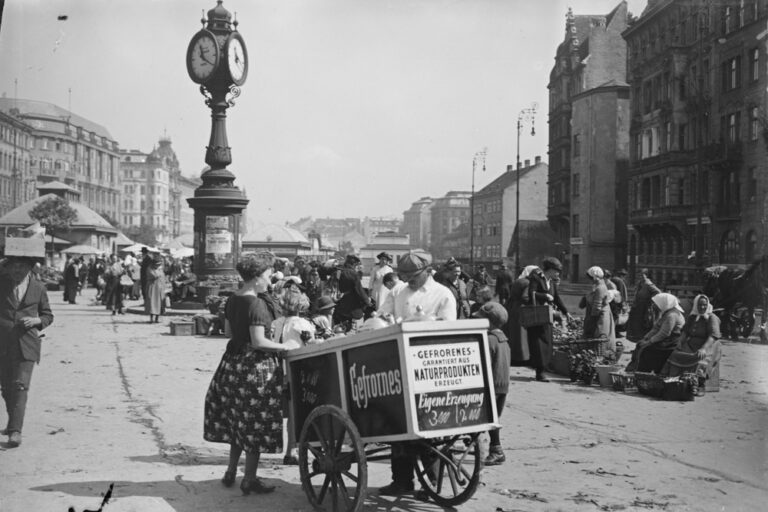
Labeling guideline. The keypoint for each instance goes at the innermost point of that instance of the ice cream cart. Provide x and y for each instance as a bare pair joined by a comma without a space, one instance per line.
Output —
428,383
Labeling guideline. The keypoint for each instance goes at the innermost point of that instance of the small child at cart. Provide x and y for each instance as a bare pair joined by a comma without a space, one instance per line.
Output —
500,358
293,331
323,318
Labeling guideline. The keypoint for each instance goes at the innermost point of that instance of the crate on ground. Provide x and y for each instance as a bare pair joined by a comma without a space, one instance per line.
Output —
559,363
623,381
677,390
603,373
649,384
182,328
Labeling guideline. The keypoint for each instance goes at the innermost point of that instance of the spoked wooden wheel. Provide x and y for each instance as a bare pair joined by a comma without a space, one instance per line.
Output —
449,468
332,464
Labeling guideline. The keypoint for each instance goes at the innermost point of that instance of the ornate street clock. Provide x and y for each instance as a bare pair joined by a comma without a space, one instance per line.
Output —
217,61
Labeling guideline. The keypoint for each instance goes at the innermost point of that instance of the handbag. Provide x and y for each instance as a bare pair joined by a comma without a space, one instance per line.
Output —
125,280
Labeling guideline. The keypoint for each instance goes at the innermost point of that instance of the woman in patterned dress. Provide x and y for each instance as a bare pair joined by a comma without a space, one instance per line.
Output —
243,403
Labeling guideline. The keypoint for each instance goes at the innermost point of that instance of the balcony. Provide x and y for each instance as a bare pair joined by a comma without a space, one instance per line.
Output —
723,155
559,210
661,214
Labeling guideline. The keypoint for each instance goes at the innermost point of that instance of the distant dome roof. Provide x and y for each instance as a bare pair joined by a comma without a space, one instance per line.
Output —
86,217
275,233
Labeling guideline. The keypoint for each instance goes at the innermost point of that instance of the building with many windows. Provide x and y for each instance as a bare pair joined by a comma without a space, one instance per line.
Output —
417,222
448,213
71,149
495,211
17,183
155,192
588,141
697,177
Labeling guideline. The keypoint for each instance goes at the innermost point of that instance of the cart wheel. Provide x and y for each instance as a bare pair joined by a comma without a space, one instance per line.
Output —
332,464
449,468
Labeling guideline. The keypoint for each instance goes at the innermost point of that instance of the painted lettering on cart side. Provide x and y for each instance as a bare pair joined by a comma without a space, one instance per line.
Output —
379,384
452,409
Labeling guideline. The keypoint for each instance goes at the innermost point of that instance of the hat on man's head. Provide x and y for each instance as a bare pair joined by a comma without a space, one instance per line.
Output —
385,255
325,303
351,260
551,263
621,272
495,313
412,264
144,249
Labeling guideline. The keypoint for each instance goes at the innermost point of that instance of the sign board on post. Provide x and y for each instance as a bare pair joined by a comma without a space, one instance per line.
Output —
30,247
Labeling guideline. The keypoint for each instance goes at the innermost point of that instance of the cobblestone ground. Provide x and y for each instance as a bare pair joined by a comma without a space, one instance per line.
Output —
118,400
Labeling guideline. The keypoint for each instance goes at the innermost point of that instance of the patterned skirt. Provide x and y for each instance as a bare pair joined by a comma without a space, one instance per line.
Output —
243,403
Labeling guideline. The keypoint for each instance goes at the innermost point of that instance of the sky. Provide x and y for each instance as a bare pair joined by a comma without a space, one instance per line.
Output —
351,108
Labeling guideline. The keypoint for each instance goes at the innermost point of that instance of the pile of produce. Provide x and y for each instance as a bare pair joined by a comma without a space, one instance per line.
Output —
567,331
582,366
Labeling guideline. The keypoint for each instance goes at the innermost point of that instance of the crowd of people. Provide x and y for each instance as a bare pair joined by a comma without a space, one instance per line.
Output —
283,305
152,276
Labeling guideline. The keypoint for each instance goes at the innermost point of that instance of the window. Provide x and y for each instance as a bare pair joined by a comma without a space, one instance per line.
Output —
752,184
731,73
754,64
668,136
575,186
733,127
682,134
754,123
575,226
727,15
681,191
576,146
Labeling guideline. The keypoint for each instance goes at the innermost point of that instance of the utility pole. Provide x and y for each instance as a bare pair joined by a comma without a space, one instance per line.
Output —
480,155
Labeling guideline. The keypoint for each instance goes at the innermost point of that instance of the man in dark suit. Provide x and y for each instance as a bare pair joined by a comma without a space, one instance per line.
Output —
504,280
24,312
146,262
542,289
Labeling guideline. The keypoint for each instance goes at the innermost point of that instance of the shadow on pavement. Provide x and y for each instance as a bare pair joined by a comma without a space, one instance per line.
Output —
188,496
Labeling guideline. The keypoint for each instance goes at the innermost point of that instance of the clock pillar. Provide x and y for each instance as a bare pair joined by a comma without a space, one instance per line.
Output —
218,203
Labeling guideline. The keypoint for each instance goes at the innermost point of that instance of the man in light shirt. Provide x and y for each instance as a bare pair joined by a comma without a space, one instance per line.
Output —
417,297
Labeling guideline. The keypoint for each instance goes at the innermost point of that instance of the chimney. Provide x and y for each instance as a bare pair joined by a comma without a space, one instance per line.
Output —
538,160
510,168
519,166
527,162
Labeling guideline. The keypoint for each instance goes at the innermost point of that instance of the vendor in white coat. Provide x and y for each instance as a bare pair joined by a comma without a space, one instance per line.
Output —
418,297
376,283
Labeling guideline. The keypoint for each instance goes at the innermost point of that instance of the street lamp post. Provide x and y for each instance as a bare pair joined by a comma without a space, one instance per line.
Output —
480,155
526,114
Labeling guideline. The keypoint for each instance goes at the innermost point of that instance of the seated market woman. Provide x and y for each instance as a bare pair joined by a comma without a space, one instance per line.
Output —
698,349
652,351
243,403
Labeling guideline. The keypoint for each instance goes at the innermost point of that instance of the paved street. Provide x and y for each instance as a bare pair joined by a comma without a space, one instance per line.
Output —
118,400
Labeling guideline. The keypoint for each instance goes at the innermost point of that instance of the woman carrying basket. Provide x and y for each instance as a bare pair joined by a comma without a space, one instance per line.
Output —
542,289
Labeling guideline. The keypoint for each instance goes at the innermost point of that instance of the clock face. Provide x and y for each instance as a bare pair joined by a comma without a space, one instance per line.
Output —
237,59
202,56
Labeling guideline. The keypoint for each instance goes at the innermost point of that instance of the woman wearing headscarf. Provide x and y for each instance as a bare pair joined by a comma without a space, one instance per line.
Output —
638,322
155,290
652,351
542,289
598,320
698,348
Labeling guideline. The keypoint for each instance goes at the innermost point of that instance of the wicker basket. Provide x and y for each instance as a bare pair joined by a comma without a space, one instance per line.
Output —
596,345
532,316
649,384
677,390
623,381
603,374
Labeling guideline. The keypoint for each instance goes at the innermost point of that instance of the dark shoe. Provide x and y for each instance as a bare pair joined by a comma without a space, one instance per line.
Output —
4,432
114,312
396,489
121,312
540,376
14,439
290,460
228,480
495,458
255,486
422,495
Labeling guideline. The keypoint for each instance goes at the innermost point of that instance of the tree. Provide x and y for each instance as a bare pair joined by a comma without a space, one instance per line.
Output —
55,214
144,234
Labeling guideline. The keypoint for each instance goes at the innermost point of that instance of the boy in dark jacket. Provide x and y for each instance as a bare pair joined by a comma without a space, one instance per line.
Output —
499,351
